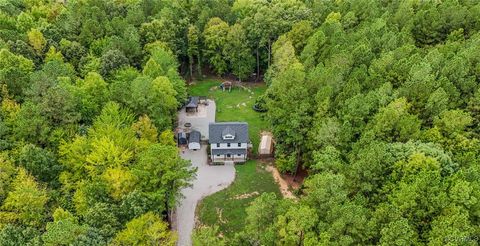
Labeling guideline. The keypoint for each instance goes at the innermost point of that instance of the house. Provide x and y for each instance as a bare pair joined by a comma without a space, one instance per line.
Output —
194,140
228,141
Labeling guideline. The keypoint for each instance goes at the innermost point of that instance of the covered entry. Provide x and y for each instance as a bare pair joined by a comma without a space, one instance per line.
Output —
223,155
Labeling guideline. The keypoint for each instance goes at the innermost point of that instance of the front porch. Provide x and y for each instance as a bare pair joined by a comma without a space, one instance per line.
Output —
220,159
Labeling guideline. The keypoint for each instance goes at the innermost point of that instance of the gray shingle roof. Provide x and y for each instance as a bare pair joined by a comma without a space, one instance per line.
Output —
194,137
240,130
228,131
193,102
228,151
182,135
182,138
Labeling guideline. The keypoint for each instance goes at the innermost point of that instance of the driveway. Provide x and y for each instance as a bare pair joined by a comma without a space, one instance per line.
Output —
209,180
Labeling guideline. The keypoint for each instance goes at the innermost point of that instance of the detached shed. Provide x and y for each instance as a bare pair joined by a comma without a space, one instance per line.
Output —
265,148
182,138
192,105
194,140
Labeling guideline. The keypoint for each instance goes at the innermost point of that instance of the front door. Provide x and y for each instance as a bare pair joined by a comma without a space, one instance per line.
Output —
229,156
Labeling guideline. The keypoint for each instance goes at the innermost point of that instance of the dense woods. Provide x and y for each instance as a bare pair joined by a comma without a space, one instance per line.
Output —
89,97
378,100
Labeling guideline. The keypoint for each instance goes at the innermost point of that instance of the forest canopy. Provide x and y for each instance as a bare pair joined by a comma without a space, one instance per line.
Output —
378,100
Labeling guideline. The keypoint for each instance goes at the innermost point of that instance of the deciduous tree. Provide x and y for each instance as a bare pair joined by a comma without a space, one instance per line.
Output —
26,201
148,229
215,38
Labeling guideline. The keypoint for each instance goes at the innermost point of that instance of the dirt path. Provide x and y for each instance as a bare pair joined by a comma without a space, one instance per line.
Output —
284,187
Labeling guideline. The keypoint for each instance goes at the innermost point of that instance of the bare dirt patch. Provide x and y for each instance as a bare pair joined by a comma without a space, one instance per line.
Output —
246,195
284,186
220,217
241,105
296,181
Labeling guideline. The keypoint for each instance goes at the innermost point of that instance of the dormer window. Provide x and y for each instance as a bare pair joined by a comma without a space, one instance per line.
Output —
228,133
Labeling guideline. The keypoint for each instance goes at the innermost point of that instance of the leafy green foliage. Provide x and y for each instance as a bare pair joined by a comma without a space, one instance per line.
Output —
14,72
26,201
261,215
112,60
147,229
12,235
238,52
155,98
382,126
71,90
166,176
63,230
39,162
215,35
207,236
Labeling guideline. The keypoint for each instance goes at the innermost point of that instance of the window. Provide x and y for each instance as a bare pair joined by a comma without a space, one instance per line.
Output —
239,155
228,144
218,154
239,144
218,145
228,137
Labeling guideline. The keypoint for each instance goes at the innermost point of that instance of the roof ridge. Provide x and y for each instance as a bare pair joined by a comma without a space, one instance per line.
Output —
228,122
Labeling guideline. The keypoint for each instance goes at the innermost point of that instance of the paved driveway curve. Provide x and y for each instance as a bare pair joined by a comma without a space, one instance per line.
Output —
209,180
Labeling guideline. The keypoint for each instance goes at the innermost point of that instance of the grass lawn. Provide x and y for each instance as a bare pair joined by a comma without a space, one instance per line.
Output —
235,105
227,207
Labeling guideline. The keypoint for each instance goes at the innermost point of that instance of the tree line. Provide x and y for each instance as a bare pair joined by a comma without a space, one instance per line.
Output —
379,105
87,151
379,102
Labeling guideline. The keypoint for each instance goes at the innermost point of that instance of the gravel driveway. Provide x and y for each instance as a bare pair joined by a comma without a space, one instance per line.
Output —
210,179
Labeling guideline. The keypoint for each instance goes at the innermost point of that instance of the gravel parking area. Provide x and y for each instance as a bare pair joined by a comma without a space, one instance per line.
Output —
200,119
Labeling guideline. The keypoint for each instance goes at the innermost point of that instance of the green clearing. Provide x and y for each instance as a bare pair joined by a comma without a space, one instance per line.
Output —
227,207
235,105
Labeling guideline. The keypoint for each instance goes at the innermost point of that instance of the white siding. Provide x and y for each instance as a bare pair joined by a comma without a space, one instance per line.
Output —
232,146
193,145
223,158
